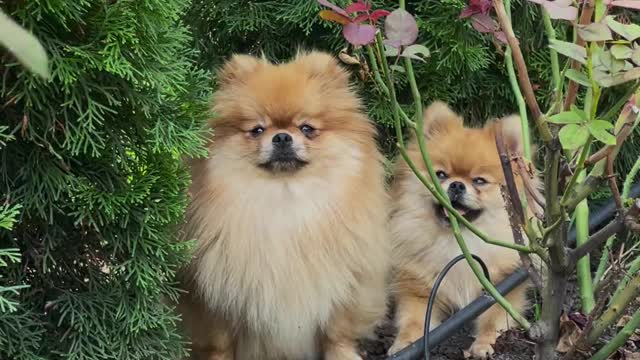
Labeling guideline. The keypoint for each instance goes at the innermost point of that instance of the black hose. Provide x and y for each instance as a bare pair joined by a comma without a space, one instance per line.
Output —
434,292
455,322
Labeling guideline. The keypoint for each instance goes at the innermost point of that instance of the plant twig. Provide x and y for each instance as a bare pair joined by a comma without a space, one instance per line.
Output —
613,183
634,267
514,208
585,18
523,75
597,239
533,194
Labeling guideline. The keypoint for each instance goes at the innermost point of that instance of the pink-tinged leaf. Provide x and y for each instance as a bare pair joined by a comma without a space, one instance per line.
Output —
333,7
396,44
466,12
400,26
631,4
333,16
560,11
483,23
358,34
501,36
594,32
483,5
377,14
358,7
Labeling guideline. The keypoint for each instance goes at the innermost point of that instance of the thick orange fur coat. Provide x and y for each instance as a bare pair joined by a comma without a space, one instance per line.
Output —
423,242
288,264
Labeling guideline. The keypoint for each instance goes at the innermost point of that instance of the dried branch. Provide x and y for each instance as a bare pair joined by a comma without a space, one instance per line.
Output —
533,194
628,221
523,75
621,136
613,183
514,209
572,90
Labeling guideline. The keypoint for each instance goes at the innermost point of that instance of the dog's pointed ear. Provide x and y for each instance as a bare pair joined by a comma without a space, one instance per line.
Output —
439,118
321,65
511,128
238,68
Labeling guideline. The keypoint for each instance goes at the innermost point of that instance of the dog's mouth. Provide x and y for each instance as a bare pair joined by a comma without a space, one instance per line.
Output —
284,163
466,212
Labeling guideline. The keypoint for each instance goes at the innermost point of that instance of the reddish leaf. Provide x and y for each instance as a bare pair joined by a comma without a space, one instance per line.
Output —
483,23
393,43
501,36
476,7
466,12
560,10
358,34
360,18
377,14
632,4
358,7
333,7
401,28
332,16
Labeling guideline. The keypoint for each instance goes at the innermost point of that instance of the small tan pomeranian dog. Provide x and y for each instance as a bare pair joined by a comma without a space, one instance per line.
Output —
290,216
468,166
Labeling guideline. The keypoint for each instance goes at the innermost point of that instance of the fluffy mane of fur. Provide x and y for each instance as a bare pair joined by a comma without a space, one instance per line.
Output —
287,265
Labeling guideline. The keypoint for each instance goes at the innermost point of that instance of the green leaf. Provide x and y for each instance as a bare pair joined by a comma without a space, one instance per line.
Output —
595,32
598,128
566,117
580,112
573,136
397,68
26,48
635,57
621,52
413,52
629,32
569,50
579,77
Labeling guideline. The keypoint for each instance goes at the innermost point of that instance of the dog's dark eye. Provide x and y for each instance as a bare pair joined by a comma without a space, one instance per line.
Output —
307,130
441,175
480,181
256,131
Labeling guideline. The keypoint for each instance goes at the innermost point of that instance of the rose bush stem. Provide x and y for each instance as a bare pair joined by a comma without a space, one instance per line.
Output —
620,339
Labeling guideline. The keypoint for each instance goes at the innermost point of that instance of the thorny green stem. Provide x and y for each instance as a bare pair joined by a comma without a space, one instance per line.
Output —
383,86
604,261
634,267
626,187
620,338
614,312
583,267
522,106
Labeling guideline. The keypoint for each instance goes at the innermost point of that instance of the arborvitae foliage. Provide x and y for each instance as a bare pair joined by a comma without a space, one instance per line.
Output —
95,164
464,69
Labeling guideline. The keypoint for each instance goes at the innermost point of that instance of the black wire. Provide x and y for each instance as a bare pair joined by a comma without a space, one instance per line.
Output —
434,291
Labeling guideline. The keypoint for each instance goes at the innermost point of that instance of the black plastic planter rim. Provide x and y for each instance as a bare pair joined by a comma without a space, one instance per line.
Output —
467,314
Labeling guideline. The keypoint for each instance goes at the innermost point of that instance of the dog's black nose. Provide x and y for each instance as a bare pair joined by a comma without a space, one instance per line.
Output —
456,189
282,139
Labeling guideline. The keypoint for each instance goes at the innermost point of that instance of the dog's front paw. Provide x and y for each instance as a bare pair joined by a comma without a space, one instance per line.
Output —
398,346
480,350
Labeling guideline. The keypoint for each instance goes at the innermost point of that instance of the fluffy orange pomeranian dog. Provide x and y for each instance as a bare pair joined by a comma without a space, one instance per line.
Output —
468,167
289,212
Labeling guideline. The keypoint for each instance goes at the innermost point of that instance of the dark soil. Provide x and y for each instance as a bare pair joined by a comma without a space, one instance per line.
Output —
512,345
